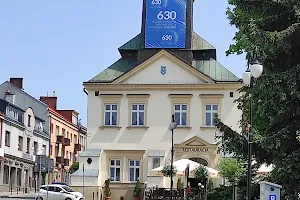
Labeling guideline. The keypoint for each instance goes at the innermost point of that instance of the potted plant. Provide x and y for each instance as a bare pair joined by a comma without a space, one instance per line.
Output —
107,192
137,191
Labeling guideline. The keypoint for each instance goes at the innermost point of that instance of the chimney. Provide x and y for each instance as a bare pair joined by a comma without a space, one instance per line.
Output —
18,82
50,101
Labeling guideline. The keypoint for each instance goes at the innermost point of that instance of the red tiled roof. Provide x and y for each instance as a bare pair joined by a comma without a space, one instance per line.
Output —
59,115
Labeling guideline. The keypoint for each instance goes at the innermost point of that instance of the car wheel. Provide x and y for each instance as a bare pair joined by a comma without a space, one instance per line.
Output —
39,198
68,199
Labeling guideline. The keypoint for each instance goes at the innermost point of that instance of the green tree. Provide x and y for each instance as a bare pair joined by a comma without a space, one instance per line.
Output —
166,170
201,173
74,167
271,30
137,190
231,169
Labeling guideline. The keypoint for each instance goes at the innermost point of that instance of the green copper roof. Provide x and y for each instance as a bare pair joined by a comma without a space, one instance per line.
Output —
115,70
210,68
198,43
214,70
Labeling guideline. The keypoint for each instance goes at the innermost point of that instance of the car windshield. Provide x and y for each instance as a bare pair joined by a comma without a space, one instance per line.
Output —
68,189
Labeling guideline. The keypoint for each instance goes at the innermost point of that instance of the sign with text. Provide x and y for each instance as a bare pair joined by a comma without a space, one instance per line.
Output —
165,23
192,149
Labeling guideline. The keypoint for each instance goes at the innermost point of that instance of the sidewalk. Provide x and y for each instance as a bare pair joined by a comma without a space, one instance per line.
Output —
20,195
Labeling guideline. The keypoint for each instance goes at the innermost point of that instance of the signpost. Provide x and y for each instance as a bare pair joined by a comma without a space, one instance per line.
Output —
165,24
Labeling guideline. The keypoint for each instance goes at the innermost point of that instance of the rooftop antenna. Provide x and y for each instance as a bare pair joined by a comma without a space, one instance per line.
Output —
47,94
54,93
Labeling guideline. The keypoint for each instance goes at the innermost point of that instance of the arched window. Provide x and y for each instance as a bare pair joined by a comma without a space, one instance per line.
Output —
199,160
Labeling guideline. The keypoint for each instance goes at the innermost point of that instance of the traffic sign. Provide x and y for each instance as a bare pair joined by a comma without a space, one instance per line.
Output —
272,197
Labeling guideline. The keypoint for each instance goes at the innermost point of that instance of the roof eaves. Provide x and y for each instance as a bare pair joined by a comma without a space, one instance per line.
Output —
22,91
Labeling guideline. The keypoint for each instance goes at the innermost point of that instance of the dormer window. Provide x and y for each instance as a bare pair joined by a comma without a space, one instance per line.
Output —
29,119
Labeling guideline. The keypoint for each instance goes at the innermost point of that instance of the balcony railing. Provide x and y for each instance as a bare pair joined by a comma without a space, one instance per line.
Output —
77,147
59,139
67,142
59,160
66,162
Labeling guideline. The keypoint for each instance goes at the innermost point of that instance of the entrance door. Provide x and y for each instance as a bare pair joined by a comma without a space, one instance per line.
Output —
199,160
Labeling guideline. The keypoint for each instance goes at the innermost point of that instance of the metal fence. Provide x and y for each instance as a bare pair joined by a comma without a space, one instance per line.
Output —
178,194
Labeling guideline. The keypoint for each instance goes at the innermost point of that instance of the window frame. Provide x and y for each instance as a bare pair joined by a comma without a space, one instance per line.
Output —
180,113
110,111
210,99
7,140
212,112
115,166
152,161
137,111
137,99
110,99
134,167
182,99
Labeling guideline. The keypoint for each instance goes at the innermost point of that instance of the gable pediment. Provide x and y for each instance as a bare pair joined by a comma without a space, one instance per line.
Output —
164,68
195,142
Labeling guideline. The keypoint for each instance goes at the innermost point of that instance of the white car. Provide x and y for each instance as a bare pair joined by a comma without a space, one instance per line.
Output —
58,192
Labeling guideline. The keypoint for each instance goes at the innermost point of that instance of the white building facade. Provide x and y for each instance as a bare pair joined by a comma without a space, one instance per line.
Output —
24,135
128,119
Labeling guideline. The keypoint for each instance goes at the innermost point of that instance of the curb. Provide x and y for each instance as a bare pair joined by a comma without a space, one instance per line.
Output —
16,197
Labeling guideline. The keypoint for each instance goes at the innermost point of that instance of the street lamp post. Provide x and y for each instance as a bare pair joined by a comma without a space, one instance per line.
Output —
172,126
254,70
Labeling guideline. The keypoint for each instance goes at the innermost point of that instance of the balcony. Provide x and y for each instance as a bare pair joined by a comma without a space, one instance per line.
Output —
59,139
66,162
59,160
77,147
67,142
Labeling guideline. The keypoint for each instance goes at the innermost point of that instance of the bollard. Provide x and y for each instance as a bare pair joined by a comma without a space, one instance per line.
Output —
93,196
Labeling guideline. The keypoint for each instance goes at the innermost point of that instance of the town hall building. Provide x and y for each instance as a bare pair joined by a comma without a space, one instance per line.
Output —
131,102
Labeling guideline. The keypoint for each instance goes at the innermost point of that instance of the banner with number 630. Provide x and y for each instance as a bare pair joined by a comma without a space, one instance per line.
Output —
165,24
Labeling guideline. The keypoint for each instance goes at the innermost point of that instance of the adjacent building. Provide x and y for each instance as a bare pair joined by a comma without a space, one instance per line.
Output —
68,138
131,102
24,136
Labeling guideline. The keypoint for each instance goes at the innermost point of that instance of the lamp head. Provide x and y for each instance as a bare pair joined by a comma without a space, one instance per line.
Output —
256,69
172,126
246,77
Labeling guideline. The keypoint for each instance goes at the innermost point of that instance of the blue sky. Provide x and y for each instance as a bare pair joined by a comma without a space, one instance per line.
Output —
56,45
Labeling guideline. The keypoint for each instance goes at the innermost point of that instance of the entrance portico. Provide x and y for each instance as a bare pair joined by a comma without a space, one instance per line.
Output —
198,150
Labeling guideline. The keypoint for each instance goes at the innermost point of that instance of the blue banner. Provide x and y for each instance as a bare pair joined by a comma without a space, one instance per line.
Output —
165,24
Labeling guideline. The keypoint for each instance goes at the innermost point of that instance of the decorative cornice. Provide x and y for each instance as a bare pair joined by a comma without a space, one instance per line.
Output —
138,95
211,95
174,87
111,95
180,95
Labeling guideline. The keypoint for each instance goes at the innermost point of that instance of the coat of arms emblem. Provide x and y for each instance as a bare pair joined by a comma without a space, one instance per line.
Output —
163,70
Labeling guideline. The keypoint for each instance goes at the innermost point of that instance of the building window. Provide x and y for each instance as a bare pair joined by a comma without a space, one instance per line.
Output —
12,113
56,149
211,111
134,170
29,120
137,114
111,115
155,162
28,145
44,150
75,139
71,137
67,134
115,170
51,128
7,138
20,143
57,130
63,131
51,150
180,111
6,174
35,147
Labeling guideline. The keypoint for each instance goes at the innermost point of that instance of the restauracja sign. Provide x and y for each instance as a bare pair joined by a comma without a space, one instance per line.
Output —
203,150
